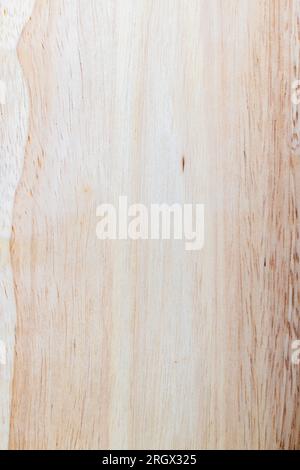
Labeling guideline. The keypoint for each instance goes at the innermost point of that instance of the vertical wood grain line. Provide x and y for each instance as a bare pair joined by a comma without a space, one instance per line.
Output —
294,216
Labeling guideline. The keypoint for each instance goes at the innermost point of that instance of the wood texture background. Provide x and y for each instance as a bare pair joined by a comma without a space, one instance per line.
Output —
133,345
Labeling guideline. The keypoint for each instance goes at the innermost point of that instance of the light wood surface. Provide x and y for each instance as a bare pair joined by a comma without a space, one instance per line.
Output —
141,344
14,117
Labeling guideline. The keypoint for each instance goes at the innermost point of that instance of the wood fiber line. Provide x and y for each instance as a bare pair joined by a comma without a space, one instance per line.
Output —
143,345
293,379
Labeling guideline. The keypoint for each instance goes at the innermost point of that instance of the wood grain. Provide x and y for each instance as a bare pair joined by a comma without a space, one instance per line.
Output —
141,344
13,131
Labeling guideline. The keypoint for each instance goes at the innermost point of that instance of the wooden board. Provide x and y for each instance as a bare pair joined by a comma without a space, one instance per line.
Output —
142,344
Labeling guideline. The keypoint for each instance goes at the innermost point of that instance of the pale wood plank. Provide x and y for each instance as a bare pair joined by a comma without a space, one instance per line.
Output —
142,344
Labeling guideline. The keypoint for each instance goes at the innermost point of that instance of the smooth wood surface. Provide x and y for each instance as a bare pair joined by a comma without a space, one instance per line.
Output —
141,344
14,117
